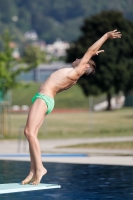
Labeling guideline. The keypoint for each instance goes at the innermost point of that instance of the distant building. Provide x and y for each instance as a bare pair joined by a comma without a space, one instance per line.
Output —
15,53
31,35
15,18
42,72
40,44
58,48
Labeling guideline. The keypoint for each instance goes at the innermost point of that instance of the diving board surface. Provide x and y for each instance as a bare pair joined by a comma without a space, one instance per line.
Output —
18,187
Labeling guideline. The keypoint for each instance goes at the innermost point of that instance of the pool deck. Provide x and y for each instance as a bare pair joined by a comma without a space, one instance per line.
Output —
18,150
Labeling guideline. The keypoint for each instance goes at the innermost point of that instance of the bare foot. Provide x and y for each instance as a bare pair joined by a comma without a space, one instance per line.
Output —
38,175
29,178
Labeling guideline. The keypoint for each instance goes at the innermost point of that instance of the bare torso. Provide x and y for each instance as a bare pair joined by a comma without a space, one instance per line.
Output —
57,82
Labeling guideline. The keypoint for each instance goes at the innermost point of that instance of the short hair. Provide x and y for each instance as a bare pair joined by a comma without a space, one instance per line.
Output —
91,69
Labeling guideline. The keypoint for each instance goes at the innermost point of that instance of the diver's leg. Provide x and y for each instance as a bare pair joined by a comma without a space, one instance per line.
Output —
34,121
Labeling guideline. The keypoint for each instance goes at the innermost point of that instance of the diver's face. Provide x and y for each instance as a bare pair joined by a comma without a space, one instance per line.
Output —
76,63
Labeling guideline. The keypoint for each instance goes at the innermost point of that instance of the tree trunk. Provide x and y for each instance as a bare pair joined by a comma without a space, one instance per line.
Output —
109,107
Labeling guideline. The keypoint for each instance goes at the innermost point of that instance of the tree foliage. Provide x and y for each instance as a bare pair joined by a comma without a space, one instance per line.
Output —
7,63
55,18
33,56
10,68
114,72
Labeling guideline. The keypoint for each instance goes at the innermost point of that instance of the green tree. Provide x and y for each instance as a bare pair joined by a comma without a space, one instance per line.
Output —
8,72
10,68
114,72
61,20
33,56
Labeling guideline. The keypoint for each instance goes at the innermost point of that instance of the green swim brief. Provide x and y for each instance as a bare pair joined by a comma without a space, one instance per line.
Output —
48,100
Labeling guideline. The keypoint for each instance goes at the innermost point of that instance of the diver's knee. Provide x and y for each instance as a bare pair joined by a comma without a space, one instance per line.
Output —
28,133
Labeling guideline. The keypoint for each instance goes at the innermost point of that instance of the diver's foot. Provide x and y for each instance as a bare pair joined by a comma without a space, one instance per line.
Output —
38,176
29,178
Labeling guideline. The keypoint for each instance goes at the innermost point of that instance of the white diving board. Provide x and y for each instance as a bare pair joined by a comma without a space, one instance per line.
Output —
18,187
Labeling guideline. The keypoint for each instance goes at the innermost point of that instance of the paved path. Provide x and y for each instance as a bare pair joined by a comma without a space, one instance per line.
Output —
50,146
95,156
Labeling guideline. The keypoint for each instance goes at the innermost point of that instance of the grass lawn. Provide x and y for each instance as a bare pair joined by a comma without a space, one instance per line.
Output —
104,145
79,125
22,94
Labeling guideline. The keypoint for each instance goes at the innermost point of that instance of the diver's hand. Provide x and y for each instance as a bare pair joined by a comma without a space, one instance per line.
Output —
100,51
114,34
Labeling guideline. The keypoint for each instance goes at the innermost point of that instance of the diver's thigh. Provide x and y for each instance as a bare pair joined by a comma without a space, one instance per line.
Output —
36,114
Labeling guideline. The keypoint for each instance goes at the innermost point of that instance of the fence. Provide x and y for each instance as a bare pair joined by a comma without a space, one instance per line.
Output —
5,114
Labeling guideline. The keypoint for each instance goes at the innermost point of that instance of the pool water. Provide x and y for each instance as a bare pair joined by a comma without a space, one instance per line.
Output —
78,181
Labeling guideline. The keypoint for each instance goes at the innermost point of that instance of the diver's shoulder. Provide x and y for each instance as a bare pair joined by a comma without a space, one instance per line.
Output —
65,69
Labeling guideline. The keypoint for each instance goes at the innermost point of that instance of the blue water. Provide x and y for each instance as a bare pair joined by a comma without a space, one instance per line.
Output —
78,181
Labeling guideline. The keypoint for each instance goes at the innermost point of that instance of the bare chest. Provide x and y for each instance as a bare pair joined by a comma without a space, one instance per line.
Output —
70,85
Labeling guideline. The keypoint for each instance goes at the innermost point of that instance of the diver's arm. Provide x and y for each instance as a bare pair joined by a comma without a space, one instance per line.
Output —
94,49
